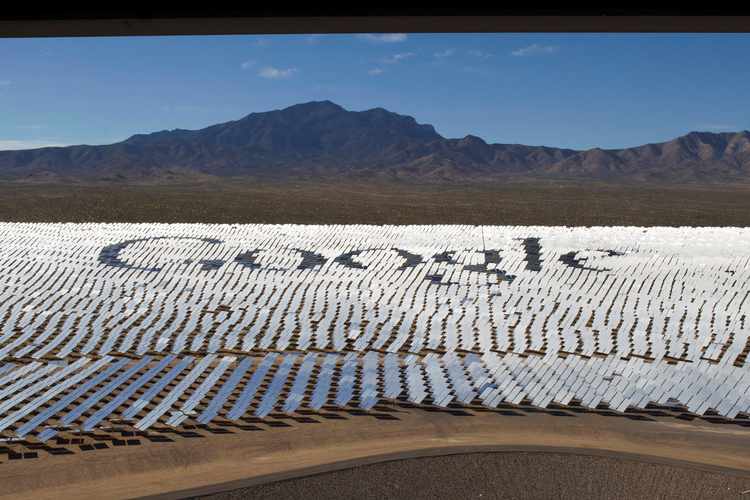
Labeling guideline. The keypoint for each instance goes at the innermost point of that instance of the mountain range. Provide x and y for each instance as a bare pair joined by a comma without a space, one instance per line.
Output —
322,140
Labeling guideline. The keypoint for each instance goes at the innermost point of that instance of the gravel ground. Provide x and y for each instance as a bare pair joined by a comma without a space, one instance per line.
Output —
521,475
309,203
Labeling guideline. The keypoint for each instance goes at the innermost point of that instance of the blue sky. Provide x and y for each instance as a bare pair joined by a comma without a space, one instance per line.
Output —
577,91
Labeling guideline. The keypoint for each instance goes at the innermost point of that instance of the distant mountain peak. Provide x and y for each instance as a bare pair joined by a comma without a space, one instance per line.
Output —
472,140
325,104
321,139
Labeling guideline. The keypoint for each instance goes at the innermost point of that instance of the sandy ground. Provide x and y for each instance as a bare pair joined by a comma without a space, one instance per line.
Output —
519,475
240,201
190,466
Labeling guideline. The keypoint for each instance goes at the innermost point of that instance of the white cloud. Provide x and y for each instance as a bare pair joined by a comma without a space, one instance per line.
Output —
276,73
479,53
12,144
383,37
395,58
535,49
445,53
375,71
247,64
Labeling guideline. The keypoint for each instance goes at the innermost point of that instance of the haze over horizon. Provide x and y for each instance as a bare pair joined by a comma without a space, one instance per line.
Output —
570,91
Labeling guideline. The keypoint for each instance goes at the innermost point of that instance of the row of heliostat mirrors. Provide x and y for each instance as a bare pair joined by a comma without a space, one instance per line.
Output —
226,321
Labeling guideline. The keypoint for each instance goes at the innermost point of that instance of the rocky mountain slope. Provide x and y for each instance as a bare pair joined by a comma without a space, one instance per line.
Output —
323,140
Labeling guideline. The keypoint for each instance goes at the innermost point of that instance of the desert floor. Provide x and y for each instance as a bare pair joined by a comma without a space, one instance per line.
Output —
241,458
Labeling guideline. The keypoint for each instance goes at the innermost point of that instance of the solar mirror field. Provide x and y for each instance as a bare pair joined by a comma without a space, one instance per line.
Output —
178,326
